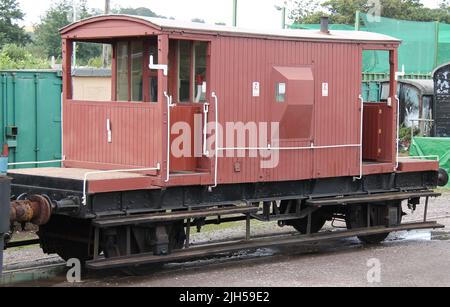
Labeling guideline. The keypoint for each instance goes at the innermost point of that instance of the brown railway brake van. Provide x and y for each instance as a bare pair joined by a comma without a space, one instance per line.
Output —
210,124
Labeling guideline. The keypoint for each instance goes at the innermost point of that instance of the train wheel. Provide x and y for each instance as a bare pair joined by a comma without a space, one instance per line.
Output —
318,219
379,215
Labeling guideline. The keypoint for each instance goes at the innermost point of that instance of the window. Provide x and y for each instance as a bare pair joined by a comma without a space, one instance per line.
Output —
137,56
184,73
130,60
154,74
280,92
91,77
192,63
200,71
122,71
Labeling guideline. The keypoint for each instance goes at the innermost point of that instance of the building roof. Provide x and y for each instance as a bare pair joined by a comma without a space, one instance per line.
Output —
195,27
425,86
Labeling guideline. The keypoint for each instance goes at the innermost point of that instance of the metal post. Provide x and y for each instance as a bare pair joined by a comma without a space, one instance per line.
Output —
235,8
436,59
74,55
283,18
309,226
105,55
425,216
357,21
188,231
247,228
128,240
96,242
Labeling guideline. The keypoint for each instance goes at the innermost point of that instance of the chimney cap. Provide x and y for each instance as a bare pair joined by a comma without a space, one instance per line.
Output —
324,24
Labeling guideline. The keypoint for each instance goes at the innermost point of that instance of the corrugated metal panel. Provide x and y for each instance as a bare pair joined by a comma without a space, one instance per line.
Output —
31,102
136,135
237,63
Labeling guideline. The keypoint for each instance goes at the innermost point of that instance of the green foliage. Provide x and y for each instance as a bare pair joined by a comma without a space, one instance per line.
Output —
140,11
10,32
18,57
58,16
96,62
47,30
405,136
343,11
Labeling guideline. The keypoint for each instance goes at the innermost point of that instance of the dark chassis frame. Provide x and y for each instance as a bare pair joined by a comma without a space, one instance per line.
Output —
179,198
167,208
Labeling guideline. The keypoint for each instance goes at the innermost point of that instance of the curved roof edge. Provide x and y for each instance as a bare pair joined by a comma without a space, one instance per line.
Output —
440,67
193,27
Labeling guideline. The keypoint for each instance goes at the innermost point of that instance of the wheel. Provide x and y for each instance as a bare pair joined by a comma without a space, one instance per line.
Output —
356,218
67,237
318,218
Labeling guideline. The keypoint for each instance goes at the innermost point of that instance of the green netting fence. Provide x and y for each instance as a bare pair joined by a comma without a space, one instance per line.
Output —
419,51
425,45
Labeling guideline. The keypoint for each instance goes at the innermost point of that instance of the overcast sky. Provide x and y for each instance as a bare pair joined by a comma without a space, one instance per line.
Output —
252,13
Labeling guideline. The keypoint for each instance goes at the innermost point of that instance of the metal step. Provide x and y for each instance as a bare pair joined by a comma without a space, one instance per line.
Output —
229,247
174,216
374,198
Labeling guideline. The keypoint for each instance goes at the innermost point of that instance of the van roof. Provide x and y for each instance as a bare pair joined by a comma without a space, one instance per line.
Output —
163,24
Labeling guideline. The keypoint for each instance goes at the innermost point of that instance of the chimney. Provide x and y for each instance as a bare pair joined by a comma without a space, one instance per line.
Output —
324,25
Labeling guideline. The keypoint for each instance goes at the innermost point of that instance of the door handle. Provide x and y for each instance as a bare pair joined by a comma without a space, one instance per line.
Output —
109,130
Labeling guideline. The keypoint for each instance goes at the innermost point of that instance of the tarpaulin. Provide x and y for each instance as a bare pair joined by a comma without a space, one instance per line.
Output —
428,147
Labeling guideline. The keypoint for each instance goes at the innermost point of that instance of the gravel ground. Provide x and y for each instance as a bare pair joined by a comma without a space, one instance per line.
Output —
341,263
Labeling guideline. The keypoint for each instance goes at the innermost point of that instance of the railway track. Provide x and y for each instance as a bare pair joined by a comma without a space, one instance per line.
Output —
53,268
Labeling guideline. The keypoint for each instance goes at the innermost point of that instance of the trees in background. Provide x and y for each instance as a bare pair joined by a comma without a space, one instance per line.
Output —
343,11
140,11
21,50
10,31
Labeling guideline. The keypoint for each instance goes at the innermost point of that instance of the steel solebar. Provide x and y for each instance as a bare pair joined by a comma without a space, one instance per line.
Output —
228,247
175,216
371,198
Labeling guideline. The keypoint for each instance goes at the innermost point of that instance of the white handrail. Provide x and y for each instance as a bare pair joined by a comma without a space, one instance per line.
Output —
35,162
421,157
163,67
205,129
361,131
169,105
88,174
216,156
397,163
288,148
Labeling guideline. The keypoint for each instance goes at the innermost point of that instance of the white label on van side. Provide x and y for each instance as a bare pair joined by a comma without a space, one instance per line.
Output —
256,89
325,89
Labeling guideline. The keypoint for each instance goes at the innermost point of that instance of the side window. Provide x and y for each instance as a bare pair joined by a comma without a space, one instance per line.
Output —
137,56
154,74
184,73
200,59
280,92
122,71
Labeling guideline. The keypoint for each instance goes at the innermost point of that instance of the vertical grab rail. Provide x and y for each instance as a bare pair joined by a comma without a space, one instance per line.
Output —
397,162
169,105
216,150
361,99
205,129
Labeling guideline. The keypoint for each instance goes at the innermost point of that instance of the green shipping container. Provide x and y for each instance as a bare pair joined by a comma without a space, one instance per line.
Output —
30,115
